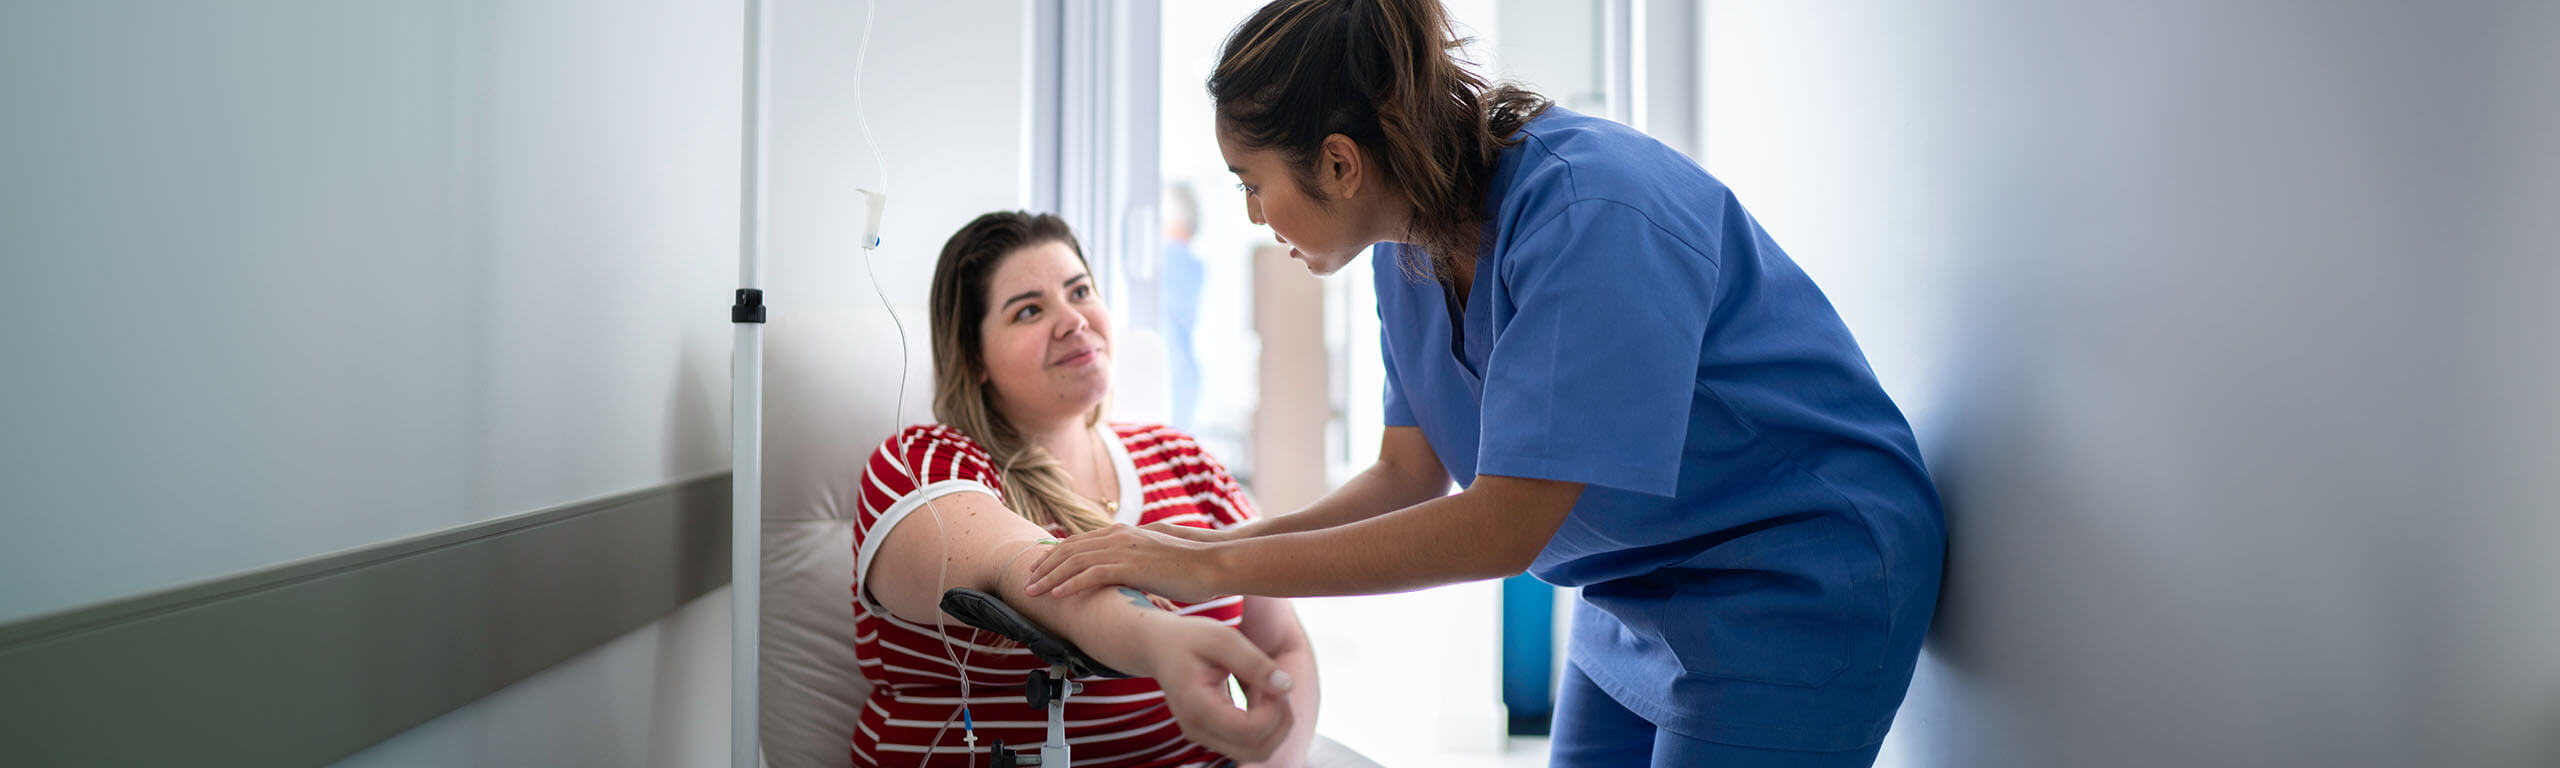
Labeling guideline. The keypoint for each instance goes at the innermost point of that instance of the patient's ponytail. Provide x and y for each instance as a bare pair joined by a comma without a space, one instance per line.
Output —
1036,484
1384,74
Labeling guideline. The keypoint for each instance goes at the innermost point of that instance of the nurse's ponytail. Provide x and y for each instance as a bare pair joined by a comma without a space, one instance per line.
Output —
1384,74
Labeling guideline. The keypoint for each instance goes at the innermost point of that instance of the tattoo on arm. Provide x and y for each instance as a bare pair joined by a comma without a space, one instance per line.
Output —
1138,598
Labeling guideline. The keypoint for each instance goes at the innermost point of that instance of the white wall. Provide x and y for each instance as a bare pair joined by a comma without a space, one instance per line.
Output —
945,87
2228,332
1554,48
281,278
286,278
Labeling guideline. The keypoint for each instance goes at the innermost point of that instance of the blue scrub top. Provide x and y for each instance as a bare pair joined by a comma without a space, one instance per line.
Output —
1757,545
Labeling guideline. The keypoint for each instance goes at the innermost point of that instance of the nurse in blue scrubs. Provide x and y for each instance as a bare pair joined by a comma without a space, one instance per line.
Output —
1639,394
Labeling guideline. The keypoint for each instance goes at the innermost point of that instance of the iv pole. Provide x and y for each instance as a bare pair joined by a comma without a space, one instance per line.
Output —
746,403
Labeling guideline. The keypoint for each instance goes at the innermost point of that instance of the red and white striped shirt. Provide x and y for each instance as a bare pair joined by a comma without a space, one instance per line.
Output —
913,716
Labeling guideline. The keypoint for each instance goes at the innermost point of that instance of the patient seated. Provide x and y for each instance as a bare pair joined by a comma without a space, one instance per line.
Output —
1026,455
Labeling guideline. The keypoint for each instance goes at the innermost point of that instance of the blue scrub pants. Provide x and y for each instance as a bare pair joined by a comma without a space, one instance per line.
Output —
1595,731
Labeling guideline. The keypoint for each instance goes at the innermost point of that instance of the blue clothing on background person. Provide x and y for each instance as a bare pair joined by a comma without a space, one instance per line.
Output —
1178,290
1757,545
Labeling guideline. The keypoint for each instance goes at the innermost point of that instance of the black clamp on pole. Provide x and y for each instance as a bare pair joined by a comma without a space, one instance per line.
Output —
749,307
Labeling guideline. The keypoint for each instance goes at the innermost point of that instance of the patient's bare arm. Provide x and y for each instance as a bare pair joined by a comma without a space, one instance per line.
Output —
969,540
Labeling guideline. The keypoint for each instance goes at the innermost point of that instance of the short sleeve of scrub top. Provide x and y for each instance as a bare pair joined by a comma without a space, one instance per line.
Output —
1398,412
1592,378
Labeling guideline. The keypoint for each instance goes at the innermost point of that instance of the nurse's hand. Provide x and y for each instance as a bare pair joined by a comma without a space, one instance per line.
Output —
1192,666
1152,561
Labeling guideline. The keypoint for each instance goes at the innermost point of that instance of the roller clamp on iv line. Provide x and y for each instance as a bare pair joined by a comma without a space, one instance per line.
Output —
748,307
872,202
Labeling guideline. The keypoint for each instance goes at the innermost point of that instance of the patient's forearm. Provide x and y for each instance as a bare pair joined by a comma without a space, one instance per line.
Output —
1272,623
975,542
1300,662
968,540
1114,626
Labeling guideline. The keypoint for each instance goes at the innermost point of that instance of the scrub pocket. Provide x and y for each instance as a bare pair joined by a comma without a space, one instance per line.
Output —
1791,605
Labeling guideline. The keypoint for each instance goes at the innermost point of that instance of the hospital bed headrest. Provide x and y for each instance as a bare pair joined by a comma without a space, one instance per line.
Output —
830,379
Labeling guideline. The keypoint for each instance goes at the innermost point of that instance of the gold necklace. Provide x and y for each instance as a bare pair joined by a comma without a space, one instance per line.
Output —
1111,503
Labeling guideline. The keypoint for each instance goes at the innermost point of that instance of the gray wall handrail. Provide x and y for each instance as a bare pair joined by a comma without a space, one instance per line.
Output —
310,661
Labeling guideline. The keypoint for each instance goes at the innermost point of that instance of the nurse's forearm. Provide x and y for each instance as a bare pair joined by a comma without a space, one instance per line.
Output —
1375,491
1493,529
1406,473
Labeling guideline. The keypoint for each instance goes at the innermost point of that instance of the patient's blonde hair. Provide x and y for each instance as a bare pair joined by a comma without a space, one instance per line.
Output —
1036,485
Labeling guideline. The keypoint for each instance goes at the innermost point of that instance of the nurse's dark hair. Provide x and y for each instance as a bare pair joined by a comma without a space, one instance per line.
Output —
1036,485
1383,73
